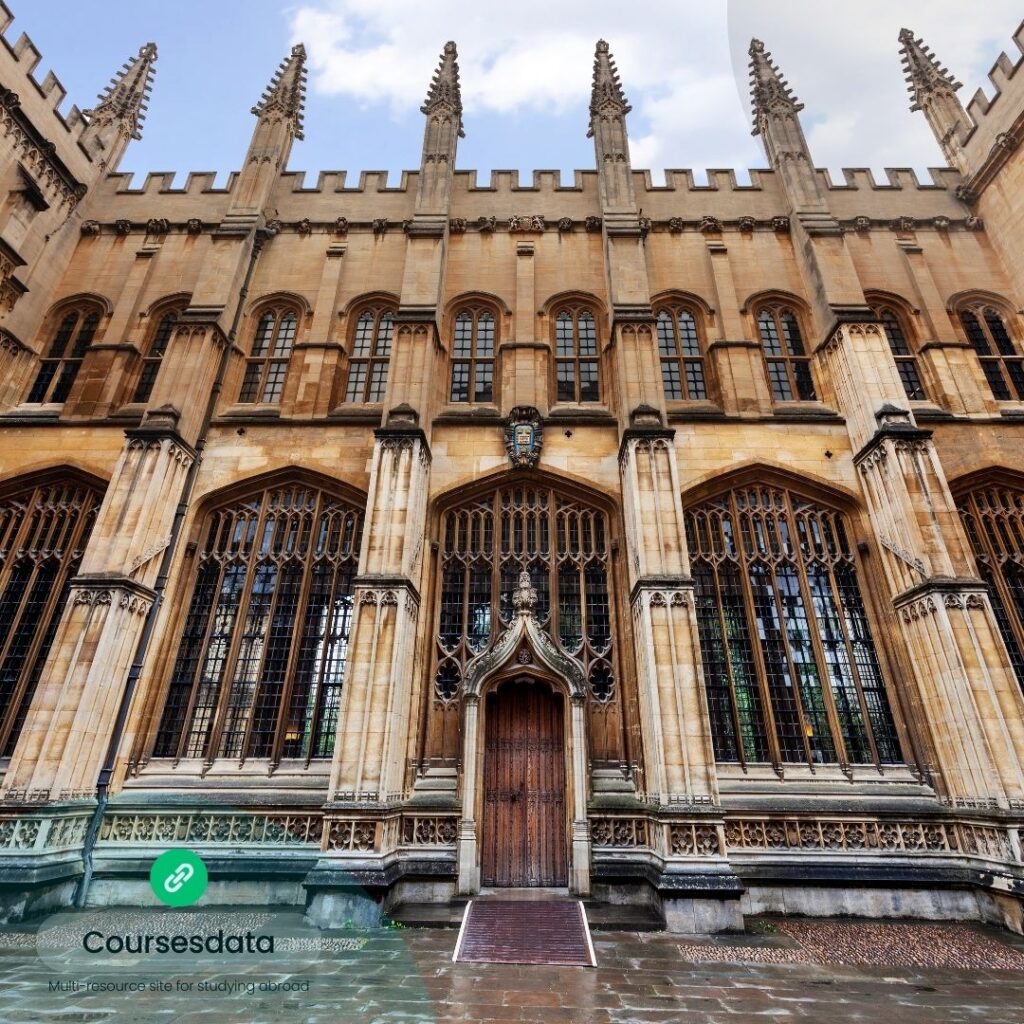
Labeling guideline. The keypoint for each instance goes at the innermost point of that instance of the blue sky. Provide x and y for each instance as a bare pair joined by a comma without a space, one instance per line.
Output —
526,75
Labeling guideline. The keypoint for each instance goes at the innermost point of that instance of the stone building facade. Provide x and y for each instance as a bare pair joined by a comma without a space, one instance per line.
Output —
664,542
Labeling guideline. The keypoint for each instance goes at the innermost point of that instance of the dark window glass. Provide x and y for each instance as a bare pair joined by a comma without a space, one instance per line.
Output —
267,366
43,533
370,356
577,377
473,357
786,360
154,356
783,630
262,656
59,367
1001,363
902,353
682,359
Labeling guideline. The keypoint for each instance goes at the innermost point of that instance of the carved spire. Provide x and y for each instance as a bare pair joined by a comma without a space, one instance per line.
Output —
608,110
444,94
606,96
443,108
121,108
770,93
285,96
933,91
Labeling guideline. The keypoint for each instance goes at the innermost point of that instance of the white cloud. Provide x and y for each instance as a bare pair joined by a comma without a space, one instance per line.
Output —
683,66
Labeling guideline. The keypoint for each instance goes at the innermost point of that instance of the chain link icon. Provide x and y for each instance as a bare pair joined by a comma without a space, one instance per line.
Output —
183,873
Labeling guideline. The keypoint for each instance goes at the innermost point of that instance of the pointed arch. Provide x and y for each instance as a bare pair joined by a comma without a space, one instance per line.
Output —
773,474
991,506
46,518
992,328
264,634
162,316
790,667
71,326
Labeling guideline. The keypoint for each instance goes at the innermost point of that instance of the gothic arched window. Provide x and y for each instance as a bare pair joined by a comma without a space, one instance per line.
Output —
473,343
785,357
262,655
565,547
43,533
682,354
790,668
160,338
267,365
577,376
1001,363
370,356
993,517
902,352
59,367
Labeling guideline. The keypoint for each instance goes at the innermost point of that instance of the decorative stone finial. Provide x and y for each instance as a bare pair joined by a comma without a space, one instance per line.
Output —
285,96
445,93
924,74
524,597
770,93
606,96
123,103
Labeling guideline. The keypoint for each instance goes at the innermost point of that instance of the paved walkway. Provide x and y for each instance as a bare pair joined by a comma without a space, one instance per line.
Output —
819,971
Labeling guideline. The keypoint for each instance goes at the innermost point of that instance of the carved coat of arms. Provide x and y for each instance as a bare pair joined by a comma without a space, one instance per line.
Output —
524,437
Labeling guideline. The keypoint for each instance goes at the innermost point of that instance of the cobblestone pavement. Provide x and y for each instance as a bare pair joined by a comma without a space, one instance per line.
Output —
794,970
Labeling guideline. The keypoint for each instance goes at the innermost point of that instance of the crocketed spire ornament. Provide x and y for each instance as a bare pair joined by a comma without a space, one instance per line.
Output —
285,96
924,74
770,93
445,93
123,103
606,96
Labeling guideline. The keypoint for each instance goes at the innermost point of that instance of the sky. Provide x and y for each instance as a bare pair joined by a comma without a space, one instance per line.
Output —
526,73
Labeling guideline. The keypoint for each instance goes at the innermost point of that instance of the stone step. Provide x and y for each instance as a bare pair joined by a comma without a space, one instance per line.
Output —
622,917
429,915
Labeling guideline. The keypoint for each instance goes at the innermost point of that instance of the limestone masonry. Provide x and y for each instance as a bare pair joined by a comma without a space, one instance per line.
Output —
665,543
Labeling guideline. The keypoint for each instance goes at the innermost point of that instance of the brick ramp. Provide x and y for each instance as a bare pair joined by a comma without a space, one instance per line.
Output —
525,932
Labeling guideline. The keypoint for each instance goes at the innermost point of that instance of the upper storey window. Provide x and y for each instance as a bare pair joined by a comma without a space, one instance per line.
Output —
59,367
682,355
899,344
371,354
1001,363
473,357
576,356
267,365
159,339
782,342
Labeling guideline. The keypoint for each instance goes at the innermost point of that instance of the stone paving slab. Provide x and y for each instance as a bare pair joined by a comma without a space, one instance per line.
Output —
407,977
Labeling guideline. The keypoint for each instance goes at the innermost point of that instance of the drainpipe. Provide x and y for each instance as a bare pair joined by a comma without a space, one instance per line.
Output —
142,648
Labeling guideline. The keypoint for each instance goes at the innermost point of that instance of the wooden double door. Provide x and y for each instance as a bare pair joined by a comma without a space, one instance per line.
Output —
524,819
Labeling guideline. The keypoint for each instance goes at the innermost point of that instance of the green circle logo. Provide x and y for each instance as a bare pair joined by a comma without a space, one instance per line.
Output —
178,878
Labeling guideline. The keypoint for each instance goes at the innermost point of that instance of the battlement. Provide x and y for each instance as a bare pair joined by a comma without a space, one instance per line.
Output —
991,116
41,99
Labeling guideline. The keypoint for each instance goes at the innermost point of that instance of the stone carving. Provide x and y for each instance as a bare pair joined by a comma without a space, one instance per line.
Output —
457,225
157,226
780,225
862,223
592,224
973,223
429,830
90,228
675,225
917,609
341,226
304,227
261,829
486,224
620,833
122,227
902,224
380,225
565,224
524,437
645,224
690,839
194,226
940,223
747,223
965,194
710,225
352,834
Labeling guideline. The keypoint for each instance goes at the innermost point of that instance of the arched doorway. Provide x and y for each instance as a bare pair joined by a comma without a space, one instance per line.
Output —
524,800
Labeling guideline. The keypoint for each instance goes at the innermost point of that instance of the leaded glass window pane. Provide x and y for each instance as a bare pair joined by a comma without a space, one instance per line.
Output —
577,377
267,366
473,357
262,657
786,360
370,357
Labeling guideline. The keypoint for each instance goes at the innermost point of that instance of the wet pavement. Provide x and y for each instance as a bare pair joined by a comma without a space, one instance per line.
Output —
785,970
